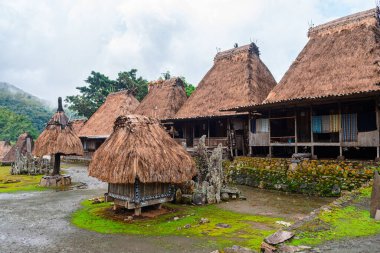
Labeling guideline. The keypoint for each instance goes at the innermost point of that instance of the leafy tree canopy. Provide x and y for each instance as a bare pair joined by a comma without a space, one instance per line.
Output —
99,86
12,125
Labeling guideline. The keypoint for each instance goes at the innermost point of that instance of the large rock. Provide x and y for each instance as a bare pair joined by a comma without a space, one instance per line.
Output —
55,181
178,196
375,196
279,237
225,196
238,249
230,190
199,198
211,194
188,187
187,199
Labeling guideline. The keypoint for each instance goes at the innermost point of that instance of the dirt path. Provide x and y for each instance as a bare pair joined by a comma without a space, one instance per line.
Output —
40,222
357,245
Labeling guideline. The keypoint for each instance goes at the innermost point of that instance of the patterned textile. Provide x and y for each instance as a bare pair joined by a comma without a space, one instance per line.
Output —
335,123
262,125
326,124
349,127
317,124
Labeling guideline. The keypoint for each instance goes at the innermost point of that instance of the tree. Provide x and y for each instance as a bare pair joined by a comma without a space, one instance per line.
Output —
91,97
189,88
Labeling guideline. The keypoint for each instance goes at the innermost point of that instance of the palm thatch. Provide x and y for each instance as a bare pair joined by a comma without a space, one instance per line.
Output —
100,124
58,137
5,147
23,145
77,125
140,148
238,77
341,58
164,99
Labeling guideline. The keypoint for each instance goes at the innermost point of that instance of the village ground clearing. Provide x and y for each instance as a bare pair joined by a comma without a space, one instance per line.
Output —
41,222
13,183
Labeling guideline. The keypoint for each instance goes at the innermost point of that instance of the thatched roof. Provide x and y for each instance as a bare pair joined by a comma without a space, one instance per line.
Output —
341,58
238,77
77,125
5,147
21,146
164,99
100,124
140,148
58,137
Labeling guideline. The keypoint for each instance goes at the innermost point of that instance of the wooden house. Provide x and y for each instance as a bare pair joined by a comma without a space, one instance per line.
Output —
140,162
5,147
24,145
77,124
100,125
237,77
327,103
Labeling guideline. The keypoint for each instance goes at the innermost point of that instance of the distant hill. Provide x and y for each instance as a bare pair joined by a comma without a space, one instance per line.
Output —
14,102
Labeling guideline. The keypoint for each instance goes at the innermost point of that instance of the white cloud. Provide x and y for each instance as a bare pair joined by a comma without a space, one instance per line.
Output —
49,47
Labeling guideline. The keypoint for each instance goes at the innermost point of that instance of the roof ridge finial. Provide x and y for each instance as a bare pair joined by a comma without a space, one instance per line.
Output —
60,107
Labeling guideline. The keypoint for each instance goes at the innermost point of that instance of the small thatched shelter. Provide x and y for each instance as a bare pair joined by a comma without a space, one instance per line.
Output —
24,145
100,125
164,99
58,139
141,162
5,147
237,77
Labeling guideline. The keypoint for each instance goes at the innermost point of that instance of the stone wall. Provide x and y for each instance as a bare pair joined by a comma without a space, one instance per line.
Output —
313,177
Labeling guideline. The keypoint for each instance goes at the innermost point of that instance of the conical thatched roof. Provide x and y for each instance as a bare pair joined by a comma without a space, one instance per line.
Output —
21,146
100,124
77,125
5,147
140,148
164,99
58,137
342,57
238,77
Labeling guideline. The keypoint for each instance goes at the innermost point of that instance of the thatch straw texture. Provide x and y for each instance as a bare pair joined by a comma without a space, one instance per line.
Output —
5,147
21,146
342,57
77,125
164,99
58,138
238,77
100,124
140,148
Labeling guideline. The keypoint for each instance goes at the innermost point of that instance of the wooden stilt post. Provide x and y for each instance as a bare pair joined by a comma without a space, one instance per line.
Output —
249,134
270,145
341,157
208,132
295,131
313,156
57,164
138,211
378,130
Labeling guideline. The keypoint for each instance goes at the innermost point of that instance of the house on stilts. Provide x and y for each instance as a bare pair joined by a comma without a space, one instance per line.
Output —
237,77
100,125
141,163
164,99
327,103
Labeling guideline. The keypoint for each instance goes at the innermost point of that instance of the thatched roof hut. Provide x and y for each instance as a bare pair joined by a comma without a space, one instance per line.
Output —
5,147
58,137
77,125
140,148
341,58
164,99
100,124
237,77
23,145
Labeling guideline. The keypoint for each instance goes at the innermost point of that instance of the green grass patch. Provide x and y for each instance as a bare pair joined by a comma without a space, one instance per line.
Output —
339,223
13,183
245,230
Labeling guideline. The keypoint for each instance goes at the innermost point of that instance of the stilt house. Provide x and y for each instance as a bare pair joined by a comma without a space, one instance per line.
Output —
237,77
141,162
327,103
100,125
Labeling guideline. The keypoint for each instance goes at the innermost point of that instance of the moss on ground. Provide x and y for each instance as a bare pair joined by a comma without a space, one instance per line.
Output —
13,183
245,230
340,223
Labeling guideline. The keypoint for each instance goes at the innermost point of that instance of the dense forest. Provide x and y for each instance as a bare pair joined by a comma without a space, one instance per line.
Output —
20,112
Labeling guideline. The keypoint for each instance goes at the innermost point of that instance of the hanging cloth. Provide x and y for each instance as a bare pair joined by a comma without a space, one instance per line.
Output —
326,124
335,123
349,127
262,125
317,124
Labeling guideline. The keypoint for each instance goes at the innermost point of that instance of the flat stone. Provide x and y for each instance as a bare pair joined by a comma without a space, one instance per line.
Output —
55,181
225,196
204,220
187,226
223,225
266,248
238,249
230,190
290,249
279,237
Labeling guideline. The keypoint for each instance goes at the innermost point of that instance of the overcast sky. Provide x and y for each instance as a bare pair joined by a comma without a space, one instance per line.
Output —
49,47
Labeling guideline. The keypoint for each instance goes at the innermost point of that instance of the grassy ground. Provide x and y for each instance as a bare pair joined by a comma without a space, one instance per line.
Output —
340,223
12,183
245,230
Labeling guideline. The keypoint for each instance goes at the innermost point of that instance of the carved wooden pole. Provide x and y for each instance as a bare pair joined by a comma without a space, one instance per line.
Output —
375,196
